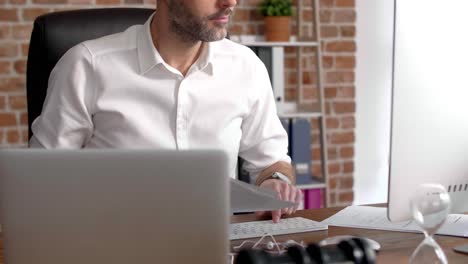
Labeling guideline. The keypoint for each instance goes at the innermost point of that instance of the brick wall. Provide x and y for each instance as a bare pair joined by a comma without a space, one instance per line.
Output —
337,31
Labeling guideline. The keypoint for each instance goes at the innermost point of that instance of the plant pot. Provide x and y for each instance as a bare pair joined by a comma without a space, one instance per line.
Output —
277,28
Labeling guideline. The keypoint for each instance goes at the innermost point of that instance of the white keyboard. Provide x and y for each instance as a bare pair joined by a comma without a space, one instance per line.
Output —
285,226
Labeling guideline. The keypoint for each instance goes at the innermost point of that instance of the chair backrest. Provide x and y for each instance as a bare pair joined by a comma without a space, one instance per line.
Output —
55,33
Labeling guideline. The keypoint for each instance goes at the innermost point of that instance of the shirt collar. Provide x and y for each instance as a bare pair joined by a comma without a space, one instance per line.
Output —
149,57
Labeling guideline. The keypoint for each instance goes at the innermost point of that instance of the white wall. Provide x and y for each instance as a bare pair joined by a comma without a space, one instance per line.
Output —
373,93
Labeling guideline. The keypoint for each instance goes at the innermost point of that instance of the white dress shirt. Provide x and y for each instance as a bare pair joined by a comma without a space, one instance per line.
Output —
117,92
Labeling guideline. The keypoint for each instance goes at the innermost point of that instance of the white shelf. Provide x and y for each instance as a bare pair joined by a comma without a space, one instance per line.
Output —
300,115
291,110
259,41
314,184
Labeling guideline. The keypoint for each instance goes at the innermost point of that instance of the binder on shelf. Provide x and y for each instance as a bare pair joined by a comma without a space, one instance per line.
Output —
300,142
286,122
313,198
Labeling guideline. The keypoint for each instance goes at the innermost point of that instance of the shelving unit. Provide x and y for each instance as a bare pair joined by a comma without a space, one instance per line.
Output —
299,108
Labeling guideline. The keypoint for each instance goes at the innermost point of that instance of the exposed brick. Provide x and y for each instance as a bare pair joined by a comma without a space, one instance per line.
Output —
308,78
7,119
235,29
327,62
325,16
329,31
307,15
348,31
290,62
80,2
25,136
346,92
310,93
348,167
133,2
30,14
18,2
8,14
24,118
22,32
339,77
108,2
344,3
341,46
332,153
8,50
348,122
5,31
2,102
330,92
332,122
251,29
242,15
20,66
18,102
13,136
49,2
346,183
24,49
316,169
316,155
344,107
5,67
12,84
345,62
342,138
334,168
344,16
333,183
346,152
326,3
346,197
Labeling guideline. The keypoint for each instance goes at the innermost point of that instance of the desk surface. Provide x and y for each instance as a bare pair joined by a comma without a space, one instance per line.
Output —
396,246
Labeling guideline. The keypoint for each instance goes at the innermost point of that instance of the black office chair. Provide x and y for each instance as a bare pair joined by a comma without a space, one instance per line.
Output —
55,33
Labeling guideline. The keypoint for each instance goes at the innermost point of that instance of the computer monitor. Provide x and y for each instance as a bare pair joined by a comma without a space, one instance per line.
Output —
429,123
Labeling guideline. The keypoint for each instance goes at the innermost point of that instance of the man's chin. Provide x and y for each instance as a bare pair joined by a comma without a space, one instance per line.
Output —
216,35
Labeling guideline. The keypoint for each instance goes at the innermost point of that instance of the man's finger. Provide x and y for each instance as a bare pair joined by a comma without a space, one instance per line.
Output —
298,199
261,213
276,215
292,198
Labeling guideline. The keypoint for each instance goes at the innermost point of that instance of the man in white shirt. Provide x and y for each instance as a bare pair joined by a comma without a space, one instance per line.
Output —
173,83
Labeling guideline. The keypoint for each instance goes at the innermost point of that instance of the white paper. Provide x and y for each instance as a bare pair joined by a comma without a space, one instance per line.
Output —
249,198
369,217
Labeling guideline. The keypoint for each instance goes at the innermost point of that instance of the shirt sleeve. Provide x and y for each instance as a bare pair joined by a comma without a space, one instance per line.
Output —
66,117
264,140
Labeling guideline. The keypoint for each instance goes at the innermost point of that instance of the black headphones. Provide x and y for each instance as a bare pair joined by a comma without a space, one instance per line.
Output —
353,250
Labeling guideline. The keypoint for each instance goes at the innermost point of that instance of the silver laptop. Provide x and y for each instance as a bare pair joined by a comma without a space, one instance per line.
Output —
114,206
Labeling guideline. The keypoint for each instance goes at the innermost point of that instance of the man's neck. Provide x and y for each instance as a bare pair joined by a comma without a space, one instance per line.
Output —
174,51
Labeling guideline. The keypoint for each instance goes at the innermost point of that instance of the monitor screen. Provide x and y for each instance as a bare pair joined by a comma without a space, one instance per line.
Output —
429,124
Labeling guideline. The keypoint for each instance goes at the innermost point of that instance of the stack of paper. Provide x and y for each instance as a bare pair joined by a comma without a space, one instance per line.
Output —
249,198
369,217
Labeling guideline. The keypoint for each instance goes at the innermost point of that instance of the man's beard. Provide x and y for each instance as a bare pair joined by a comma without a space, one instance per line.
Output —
191,28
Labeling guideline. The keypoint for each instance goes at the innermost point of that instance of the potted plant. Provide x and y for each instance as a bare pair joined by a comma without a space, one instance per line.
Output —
277,16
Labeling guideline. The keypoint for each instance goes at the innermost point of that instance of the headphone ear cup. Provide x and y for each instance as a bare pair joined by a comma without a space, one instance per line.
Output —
369,253
352,251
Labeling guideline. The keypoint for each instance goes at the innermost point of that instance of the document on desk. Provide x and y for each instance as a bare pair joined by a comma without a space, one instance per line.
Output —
370,217
249,198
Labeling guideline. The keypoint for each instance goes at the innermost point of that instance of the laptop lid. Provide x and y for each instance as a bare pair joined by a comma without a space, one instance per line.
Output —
114,206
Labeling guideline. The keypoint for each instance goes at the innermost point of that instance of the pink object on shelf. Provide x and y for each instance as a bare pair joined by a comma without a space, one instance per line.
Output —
312,198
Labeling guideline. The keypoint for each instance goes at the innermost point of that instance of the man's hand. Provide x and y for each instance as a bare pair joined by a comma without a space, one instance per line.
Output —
286,192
